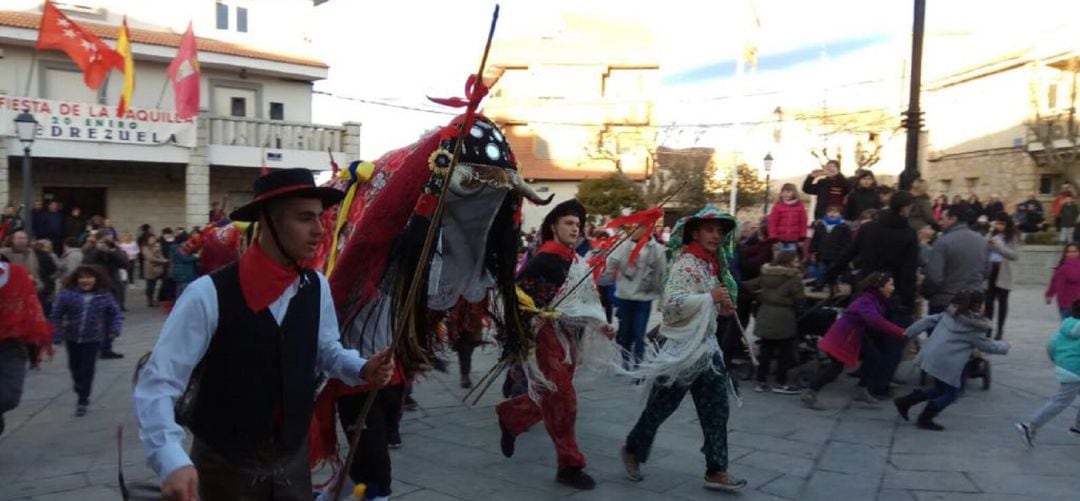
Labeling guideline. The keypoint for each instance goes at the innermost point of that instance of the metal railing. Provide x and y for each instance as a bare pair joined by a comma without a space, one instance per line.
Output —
276,134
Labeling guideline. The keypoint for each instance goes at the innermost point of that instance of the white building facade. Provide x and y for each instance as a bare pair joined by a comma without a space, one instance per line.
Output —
150,167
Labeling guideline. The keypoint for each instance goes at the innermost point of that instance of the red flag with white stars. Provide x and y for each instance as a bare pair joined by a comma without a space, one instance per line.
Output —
86,50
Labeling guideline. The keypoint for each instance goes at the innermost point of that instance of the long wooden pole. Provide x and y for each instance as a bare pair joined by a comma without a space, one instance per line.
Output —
422,265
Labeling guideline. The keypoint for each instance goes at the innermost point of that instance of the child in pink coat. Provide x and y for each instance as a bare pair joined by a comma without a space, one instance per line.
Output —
788,220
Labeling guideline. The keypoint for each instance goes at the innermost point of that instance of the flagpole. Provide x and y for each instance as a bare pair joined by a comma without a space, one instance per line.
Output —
161,95
30,73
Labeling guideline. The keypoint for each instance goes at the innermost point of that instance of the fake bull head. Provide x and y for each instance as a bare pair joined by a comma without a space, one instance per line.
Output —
387,213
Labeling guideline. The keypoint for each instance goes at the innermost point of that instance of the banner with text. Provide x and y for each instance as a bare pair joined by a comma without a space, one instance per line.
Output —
97,123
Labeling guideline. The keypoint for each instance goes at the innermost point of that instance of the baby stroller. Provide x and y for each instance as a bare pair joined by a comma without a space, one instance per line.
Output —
813,321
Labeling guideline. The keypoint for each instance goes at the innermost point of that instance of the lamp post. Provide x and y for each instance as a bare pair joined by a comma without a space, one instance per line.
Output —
767,162
26,129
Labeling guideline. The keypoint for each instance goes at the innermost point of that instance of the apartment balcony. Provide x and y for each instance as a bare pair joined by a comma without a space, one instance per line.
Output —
599,111
247,142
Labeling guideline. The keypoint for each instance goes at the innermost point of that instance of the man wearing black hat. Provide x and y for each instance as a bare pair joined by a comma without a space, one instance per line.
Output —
549,275
251,337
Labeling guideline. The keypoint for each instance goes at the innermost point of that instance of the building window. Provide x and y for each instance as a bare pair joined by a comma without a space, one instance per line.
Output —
972,183
277,111
241,19
222,16
1046,184
946,186
238,107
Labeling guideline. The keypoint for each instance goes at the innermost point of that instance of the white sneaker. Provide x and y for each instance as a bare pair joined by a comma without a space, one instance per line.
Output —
1027,434
761,387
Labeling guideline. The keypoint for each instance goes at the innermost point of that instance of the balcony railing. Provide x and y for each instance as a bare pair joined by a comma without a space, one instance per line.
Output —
276,134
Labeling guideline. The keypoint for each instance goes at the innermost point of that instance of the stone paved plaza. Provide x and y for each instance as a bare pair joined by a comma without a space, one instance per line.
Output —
851,451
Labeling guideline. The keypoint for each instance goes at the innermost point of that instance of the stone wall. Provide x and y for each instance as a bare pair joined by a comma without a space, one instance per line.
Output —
1009,173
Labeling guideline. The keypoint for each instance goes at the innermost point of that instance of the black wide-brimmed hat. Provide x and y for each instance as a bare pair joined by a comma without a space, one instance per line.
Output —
568,208
285,183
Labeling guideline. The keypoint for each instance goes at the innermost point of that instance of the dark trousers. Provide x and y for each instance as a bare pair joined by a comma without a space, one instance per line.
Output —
606,292
827,372
372,464
868,372
82,359
997,298
266,475
709,391
14,358
942,394
781,350
633,322
151,284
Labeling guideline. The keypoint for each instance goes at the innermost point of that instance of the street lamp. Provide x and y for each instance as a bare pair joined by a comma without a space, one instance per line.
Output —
767,162
26,129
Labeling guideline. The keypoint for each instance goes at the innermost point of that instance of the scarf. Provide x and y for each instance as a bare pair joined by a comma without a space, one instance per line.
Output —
554,247
700,252
832,221
263,280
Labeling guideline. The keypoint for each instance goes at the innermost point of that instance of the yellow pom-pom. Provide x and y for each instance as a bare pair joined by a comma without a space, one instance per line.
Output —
359,491
358,171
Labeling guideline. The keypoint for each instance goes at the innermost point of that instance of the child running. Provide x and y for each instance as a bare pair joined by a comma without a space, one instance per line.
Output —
1064,350
780,289
84,315
844,340
957,333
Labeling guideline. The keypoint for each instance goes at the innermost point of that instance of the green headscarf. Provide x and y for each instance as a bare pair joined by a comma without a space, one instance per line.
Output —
725,254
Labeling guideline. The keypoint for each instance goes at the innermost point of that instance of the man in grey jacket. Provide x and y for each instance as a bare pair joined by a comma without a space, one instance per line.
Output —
638,282
957,260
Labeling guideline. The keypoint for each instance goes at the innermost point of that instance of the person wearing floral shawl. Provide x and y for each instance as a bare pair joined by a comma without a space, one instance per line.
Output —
698,289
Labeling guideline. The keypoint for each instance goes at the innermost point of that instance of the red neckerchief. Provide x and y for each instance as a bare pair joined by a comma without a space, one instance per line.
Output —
699,252
263,280
554,247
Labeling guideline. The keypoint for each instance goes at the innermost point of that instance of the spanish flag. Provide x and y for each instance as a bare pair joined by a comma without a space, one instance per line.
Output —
123,46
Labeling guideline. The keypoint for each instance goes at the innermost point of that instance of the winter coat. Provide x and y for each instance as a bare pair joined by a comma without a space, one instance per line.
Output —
949,347
1063,349
1065,284
752,254
86,317
1068,214
780,289
859,200
28,260
787,222
827,191
844,339
829,244
922,214
885,244
111,259
154,262
71,259
957,263
48,272
642,281
183,266
995,209
1010,251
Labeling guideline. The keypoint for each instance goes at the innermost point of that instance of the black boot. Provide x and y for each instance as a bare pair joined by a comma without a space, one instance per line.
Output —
506,442
903,404
575,476
464,353
926,419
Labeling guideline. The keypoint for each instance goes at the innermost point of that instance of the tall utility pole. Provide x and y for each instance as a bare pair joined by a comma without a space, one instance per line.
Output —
913,115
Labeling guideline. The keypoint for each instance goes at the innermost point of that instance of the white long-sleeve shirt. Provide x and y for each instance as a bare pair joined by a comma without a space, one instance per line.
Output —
183,342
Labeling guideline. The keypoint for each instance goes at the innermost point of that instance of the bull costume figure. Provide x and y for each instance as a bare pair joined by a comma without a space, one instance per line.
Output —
374,252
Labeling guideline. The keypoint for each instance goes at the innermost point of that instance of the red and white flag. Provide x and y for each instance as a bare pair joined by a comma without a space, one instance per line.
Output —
86,50
184,75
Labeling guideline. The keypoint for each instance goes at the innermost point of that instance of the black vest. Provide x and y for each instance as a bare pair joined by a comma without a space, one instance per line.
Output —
253,366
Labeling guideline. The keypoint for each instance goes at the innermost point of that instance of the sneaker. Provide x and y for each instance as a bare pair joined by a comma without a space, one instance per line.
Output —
80,410
863,395
111,355
786,389
761,387
575,476
1075,429
1027,434
722,481
466,381
632,465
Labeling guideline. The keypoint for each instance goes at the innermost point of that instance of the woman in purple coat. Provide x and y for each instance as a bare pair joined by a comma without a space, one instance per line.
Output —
844,340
